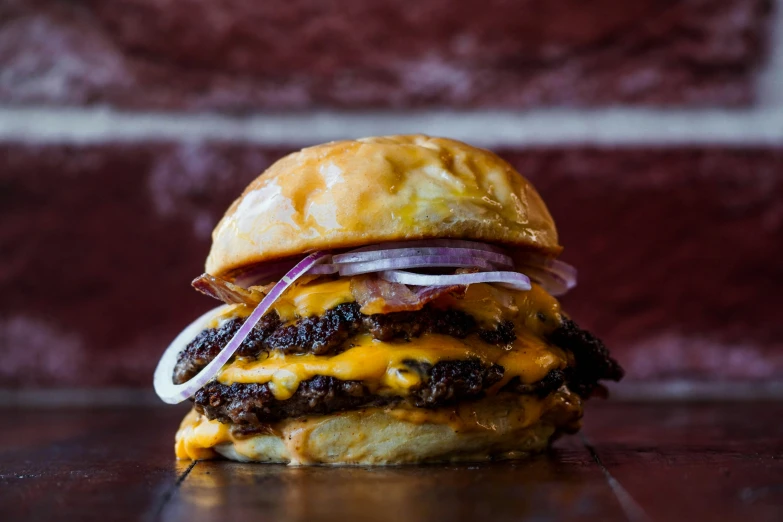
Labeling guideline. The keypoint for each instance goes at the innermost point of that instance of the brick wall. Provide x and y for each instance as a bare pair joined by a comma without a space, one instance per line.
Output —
653,129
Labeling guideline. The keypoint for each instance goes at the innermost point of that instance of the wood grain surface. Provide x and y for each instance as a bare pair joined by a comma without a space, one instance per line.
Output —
654,461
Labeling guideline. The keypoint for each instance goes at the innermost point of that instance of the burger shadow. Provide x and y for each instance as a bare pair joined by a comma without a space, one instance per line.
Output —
557,481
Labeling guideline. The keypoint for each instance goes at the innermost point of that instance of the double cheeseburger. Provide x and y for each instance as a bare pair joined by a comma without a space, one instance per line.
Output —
386,300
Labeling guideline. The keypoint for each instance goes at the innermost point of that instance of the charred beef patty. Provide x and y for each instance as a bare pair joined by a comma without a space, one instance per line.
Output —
593,361
447,382
250,407
326,334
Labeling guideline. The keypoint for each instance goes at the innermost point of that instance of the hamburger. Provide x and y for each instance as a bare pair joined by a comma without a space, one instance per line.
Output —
387,300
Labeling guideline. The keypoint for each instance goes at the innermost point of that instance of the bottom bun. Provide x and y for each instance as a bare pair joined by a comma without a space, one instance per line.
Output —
502,427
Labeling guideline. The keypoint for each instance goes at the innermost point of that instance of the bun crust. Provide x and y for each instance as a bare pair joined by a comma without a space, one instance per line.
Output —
502,427
352,193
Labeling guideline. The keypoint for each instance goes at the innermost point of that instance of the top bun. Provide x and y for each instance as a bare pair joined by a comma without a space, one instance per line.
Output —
351,193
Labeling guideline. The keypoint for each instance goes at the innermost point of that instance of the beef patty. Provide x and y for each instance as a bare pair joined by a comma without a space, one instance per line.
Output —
326,334
251,407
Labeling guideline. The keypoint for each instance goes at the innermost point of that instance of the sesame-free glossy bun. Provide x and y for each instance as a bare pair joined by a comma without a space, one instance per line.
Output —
352,193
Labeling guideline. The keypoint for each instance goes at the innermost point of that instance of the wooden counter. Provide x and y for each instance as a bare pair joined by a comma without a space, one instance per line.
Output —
652,461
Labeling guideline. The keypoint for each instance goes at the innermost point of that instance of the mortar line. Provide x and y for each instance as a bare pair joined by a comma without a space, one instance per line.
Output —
769,82
758,126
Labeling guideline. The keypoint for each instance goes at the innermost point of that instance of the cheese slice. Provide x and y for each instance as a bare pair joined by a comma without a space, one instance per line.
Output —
197,435
313,299
382,365
301,300
488,304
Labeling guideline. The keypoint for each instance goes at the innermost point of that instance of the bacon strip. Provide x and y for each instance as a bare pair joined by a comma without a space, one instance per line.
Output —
227,292
376,296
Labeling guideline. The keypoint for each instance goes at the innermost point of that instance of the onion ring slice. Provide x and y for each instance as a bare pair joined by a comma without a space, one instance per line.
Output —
375,255
513,280
175,393
423,243
400,263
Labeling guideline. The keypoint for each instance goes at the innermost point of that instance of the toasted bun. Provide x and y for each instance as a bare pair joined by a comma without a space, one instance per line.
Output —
352,193
502,427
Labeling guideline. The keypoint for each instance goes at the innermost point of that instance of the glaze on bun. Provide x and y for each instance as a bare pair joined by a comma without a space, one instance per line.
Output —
352,193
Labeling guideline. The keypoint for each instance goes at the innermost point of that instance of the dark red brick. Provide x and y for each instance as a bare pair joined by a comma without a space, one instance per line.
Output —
678,252
241,55
98,249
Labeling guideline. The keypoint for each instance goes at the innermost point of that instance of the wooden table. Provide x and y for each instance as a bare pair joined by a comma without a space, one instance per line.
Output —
654,461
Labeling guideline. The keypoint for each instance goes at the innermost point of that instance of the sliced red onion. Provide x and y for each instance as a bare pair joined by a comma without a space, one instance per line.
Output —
263,273
551,281
444,243
176,393
513,280
415,262
564,270
323,269
557,277
374,255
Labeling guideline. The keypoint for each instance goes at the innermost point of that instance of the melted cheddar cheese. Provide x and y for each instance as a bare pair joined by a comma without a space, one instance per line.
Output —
313,299
381,365
301,300
197,435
